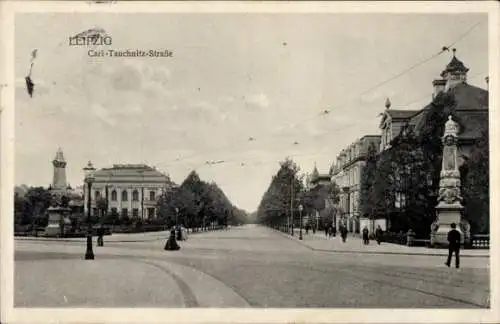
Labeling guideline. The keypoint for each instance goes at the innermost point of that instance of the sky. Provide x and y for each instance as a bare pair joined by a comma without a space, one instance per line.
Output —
232,77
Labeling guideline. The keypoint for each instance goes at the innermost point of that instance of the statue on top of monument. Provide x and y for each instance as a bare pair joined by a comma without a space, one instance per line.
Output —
449,184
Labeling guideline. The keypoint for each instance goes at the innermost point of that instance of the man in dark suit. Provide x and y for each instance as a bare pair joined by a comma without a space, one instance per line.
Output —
453,245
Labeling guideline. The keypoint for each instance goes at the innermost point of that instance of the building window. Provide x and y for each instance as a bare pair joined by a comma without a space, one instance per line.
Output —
113,195
97,194
151,213
135,195
400,201
124,195
114,211
94,211
135,212
152,195
124,212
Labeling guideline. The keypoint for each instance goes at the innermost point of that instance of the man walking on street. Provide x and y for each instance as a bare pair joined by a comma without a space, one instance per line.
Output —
378,234
343,232
453,246
366,240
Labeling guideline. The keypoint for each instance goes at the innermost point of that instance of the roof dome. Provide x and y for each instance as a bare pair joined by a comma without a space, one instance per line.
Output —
454,66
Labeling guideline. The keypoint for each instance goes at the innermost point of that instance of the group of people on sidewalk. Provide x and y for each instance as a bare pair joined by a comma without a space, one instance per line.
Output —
378,235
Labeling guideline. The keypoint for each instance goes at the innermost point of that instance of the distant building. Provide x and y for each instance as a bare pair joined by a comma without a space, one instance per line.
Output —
346,173
314,181
130,190
470,111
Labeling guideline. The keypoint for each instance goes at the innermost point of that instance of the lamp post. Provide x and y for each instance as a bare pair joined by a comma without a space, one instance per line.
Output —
89,179
176,216
291,204
300,213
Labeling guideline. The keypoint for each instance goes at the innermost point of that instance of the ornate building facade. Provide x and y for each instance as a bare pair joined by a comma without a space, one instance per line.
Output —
470,110
130,190
346,173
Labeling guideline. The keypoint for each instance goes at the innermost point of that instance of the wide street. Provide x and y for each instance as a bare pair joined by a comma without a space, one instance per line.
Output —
248,266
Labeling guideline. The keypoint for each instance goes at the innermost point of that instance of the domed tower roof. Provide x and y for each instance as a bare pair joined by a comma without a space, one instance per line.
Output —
59,156
455,66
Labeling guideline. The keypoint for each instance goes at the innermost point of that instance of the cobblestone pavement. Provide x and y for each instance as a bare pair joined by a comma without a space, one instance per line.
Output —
245,266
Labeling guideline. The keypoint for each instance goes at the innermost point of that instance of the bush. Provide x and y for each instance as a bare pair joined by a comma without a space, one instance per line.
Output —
396,238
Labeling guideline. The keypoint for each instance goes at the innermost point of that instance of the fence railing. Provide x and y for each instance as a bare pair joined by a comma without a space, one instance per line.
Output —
480,241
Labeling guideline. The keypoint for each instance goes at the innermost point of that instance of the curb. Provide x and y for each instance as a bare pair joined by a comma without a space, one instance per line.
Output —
374,252
83,240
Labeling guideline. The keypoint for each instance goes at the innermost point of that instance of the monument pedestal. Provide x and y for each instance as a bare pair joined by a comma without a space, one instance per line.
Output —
58,218
446,215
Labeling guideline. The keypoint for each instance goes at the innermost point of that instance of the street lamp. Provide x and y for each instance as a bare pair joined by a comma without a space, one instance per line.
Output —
89,179
300,212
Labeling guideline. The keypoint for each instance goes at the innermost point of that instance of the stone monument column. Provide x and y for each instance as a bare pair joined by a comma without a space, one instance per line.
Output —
449,209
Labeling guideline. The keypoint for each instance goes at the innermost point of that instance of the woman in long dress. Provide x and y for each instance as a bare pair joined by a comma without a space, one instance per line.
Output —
171,244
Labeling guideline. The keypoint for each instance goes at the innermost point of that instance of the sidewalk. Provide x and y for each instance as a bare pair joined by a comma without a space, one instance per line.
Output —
354,244
115,237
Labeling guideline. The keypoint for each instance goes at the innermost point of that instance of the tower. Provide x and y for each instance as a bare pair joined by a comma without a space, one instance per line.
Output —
455,72
59,180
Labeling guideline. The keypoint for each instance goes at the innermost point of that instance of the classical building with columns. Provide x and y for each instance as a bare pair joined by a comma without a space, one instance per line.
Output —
130,190
346,173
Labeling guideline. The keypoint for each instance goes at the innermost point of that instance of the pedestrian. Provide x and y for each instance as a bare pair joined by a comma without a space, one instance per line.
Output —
179,233
366,240
343,232
307,229
334,230
171,244
326,231
100,236
378,234
454,239
314,229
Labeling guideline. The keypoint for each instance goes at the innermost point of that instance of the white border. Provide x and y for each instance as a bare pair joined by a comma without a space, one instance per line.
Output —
19,315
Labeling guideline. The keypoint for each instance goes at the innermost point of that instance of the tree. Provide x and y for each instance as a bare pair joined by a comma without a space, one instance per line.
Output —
476,186
367,181
21,214
198,204
112,218
410,174
283,191
37,200
430,136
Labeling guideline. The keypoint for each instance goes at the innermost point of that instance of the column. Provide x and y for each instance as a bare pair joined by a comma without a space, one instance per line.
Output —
130,198
85,199
118,200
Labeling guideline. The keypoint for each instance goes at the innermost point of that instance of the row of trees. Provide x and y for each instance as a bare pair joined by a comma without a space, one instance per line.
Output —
194,203
402,182
197,204
287,191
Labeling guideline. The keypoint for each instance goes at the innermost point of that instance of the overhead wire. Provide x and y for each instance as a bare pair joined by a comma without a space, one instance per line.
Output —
364,92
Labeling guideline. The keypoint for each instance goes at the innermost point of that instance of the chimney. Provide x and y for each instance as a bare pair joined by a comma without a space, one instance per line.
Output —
439,86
